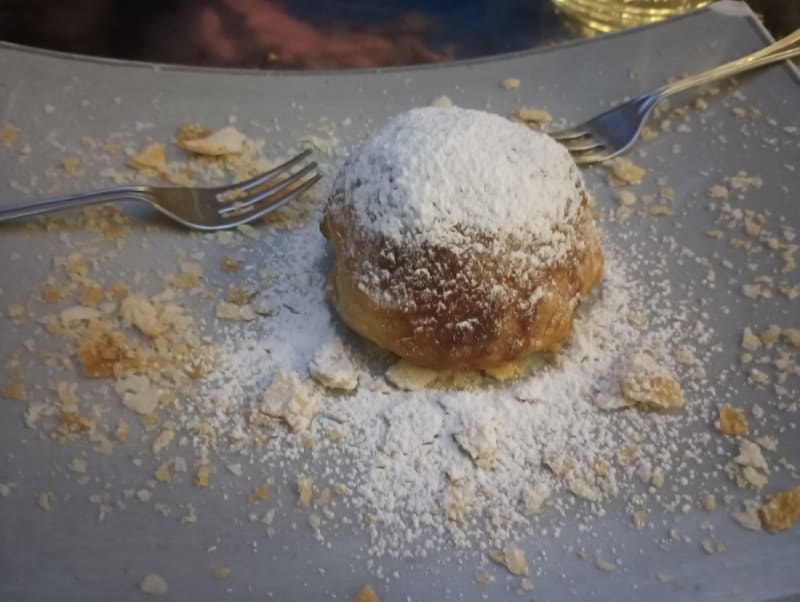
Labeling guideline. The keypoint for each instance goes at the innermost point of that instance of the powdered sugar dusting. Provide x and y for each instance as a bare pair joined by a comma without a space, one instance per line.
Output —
464,223
439,174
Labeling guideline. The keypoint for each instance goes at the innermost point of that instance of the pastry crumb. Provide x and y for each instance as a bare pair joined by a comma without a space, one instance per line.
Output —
603,564
366,594
626,198
750,455
748,515
162,474
661,211
151,156
639,518
305,491
749,468
190,131
531,116
332,367
78,465
16,311
483,578
647,384
535,497
792,336
478,438
503,372
226,141
408,377
710,547
560,464
782,510
770,334
731,421
163,440
201,477
235,312
258,494
222,573
624,172
45,500
443,101
510,83
15,391
121,433
515,562
154,584
242,295
73,167
289,398
512,557
8,135
750,341
230,265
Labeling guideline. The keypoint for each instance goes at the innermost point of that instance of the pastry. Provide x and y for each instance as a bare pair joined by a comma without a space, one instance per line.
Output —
462,240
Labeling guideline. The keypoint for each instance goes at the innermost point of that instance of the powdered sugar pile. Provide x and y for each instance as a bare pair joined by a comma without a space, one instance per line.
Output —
443,464
440,174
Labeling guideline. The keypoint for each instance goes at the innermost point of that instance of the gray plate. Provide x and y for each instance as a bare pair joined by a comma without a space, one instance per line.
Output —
67,555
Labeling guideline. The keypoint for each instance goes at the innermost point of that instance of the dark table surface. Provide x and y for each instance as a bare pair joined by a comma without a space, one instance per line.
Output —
307,34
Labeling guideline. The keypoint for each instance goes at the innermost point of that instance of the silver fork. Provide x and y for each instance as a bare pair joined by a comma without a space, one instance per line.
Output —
611,133
215,208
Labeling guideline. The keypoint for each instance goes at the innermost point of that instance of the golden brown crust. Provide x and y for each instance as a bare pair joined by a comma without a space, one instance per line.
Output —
473,308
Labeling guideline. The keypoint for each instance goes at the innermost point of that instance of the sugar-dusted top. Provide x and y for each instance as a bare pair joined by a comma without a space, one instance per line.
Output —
439,174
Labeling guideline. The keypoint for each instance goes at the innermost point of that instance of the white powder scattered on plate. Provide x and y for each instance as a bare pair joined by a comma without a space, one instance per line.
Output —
404,455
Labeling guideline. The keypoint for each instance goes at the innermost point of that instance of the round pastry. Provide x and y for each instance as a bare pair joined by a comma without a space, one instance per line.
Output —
461,239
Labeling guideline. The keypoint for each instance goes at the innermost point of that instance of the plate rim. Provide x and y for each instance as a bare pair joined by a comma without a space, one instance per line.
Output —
743,11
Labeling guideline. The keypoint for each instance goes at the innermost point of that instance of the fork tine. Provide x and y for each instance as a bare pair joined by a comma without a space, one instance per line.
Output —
574,145
577,132
272,190
261,178
272,204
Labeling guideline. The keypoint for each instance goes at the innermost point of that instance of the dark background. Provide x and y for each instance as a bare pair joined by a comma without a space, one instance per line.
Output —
304,34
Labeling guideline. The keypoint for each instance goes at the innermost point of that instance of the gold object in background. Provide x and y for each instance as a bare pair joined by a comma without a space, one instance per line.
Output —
595,16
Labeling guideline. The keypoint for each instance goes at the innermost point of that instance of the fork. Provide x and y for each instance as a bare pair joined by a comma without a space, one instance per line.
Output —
613,132
206,209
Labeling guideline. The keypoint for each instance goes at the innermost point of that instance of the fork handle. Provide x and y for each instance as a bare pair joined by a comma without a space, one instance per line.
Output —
783,49
70,201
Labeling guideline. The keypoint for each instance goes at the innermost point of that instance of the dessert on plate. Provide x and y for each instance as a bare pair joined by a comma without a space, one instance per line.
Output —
462,240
